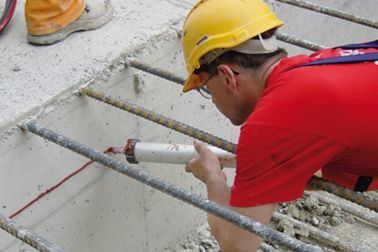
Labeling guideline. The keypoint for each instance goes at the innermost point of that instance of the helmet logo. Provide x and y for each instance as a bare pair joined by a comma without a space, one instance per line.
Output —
201,40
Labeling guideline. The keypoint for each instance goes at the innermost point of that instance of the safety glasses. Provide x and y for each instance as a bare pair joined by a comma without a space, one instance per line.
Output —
204,91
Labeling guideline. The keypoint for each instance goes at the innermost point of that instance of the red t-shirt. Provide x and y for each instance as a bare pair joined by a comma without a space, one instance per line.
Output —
309,118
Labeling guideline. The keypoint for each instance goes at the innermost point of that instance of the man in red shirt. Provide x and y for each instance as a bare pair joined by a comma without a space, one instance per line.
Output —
296,119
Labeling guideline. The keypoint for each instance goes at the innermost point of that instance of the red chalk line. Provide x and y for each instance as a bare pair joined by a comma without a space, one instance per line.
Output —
40,196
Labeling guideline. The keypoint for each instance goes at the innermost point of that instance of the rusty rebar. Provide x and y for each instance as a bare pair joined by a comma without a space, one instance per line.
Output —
331,12
166,187
315,182
27,236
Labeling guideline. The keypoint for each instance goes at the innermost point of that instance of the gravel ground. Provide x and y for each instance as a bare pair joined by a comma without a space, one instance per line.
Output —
199,239
328,218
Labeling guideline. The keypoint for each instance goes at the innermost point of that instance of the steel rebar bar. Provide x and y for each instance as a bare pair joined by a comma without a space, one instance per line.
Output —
315,182
299,42
331,12
318,234
164,186
135,63
27,236
267,248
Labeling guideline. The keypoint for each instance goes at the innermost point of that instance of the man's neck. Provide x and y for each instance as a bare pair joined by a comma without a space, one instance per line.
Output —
268,67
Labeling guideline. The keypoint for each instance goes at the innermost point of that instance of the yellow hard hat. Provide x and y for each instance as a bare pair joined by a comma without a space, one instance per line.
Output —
213,24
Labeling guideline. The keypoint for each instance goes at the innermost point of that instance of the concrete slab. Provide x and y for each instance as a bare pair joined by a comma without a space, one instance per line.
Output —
100,208
34,75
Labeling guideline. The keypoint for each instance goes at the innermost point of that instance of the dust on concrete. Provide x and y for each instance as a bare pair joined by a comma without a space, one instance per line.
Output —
81,56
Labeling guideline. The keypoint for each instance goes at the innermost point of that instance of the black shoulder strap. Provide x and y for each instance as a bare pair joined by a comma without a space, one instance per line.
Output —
366,57
363,183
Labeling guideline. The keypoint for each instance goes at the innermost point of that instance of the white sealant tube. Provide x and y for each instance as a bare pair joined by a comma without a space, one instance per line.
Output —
175,153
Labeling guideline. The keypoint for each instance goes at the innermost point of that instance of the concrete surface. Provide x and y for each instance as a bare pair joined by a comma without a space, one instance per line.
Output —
34,75
100,209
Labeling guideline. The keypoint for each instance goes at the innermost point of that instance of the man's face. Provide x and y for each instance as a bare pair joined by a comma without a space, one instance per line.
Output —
226,94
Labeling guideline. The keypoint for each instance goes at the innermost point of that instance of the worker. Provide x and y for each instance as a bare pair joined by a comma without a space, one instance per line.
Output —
296,118
51,21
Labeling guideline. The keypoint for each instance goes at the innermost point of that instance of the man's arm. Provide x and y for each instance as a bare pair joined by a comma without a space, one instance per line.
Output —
206,167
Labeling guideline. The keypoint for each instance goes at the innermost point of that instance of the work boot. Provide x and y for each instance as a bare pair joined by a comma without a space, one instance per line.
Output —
96,13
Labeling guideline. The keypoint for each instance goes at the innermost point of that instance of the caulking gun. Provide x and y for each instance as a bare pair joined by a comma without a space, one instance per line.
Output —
137,151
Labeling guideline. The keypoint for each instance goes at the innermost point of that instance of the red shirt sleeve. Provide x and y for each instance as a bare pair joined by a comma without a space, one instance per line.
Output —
274,164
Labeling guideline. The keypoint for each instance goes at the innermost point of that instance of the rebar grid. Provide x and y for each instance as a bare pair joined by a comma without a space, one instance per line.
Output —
27,236
357,210
320,235
314,182
213,208
331,12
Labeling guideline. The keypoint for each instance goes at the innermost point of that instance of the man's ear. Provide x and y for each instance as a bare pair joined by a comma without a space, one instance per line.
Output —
228,75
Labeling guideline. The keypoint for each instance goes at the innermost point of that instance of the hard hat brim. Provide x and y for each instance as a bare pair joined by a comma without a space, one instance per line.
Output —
193,81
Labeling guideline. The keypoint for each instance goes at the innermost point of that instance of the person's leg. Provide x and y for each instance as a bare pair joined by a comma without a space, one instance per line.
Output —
48,16
50,21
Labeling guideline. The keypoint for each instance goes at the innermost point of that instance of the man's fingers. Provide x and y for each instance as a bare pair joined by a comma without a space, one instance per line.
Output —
199,146
187,169
188,166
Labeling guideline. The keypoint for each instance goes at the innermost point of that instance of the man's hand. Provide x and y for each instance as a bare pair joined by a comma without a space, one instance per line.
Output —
231,238
206,166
